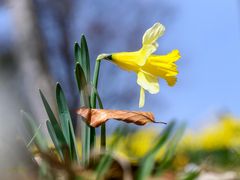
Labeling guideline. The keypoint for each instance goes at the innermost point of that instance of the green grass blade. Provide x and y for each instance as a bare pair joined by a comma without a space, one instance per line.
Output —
107,159
104,165
33,137
39,139
82,85
54,138
85,64
82,57
57,130
34,130
66,122
191,175
73,144
164,137
85,134
77,53
85,61
64,114
147,163
171,149
85,129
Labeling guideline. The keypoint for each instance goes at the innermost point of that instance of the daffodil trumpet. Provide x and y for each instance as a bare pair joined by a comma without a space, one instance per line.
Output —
149,67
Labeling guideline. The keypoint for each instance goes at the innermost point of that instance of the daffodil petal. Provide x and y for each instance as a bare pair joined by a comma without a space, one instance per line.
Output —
169,58
145,52
149,42
153,33
148,81
171,80
127,60
141,98
163,66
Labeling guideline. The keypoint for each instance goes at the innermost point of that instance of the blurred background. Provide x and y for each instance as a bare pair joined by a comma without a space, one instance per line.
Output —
36,51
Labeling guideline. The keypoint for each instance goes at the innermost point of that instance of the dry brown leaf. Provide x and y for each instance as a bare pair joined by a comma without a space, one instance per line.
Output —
95,117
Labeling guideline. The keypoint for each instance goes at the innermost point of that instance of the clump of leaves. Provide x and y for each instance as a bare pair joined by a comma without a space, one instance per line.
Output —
106,165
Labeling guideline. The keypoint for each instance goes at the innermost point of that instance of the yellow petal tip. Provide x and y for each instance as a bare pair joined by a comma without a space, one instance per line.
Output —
142,98
153,33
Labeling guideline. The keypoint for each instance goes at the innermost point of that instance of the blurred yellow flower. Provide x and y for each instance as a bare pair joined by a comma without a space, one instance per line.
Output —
148,66
221,135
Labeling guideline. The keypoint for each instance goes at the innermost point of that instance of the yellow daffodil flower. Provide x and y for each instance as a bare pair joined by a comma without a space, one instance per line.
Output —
148,66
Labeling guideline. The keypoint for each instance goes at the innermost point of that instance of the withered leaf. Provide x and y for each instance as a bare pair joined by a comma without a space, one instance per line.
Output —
95,117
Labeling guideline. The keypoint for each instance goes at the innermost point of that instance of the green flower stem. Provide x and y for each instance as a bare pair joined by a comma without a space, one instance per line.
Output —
92,137
93,100
103,126
86,143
